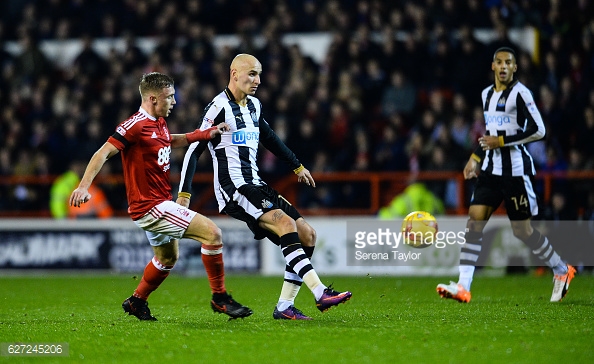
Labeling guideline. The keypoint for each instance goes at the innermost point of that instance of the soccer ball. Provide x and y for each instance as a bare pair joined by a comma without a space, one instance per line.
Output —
419,229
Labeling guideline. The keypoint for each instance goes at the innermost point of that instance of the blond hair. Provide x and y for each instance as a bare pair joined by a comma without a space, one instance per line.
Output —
154,82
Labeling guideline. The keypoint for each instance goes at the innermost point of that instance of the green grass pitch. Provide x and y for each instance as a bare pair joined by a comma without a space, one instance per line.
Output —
388,320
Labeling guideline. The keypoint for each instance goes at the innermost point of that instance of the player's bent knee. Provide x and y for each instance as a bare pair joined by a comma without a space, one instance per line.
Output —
283,223
167,254
167,258
287,225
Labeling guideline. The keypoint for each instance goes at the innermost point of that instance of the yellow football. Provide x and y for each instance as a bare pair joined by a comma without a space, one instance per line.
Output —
419,229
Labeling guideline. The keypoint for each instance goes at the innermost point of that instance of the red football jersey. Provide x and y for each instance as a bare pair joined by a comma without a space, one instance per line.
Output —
145,145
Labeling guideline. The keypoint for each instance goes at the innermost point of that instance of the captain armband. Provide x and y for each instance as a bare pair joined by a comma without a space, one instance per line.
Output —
298,169
501,142
475,157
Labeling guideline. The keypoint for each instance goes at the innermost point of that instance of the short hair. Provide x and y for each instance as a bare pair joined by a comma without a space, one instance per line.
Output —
505,49
154,81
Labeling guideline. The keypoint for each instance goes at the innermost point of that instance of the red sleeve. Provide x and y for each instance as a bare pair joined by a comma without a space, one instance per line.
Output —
198,135
122,138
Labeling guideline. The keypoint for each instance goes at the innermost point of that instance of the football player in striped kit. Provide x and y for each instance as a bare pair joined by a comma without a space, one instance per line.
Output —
242,194
507,171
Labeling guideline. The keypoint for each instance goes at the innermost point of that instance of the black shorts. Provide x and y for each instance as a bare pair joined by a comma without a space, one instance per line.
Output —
517,193
253,203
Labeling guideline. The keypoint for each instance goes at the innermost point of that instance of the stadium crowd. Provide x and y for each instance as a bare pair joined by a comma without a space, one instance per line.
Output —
399,89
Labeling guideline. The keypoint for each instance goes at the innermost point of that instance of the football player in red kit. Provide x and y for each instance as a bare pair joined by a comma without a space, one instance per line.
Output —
145,143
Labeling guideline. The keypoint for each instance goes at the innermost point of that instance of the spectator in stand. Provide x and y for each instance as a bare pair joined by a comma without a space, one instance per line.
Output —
400,96
397,35
390,153
32,63
529,70
551,72
585,135
466,70
415,197
476,14
308,142
88,62
60,191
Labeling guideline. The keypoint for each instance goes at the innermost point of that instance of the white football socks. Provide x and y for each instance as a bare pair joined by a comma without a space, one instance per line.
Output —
466,275
314,284
287,296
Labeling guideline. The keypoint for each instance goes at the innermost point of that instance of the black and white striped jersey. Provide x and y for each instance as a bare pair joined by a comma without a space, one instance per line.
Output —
235,152
512,115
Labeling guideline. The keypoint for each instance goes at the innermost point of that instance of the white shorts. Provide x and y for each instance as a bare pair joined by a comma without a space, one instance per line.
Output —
166,221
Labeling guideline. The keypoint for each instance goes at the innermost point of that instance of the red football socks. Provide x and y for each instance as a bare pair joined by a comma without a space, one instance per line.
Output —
154,274
212,258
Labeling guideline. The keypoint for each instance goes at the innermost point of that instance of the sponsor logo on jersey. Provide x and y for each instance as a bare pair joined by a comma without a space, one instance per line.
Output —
121,130
154,136
242,137
531,107
497,119
266,204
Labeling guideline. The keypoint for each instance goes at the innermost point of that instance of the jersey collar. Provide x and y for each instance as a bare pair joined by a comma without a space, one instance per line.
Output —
229,94
143,111
509,87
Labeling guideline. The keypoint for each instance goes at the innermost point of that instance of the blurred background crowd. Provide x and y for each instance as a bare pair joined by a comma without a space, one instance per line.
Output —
399,89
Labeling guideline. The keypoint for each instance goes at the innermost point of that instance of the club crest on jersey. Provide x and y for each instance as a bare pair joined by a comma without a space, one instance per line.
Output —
266,204
254,117
183,212
501,102
166,132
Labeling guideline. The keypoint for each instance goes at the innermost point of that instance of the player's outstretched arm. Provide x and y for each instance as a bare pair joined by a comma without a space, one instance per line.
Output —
81,194
183,140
